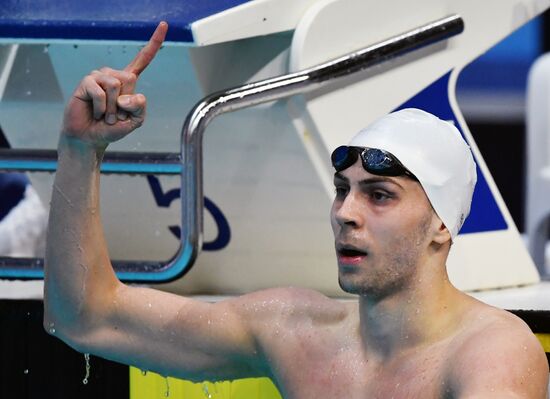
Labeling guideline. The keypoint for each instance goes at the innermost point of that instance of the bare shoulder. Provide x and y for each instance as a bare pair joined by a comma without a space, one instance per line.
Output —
495,353
289,302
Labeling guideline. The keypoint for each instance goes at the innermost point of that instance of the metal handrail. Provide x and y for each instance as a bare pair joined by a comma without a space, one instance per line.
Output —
274,89
115,162
261,92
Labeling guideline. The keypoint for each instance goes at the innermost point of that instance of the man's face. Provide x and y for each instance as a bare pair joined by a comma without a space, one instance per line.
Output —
381,228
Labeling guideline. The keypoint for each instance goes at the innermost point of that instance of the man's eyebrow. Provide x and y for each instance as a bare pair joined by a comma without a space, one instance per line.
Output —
369,180
380,179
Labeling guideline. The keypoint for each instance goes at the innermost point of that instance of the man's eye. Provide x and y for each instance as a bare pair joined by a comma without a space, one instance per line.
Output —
340,191
380,196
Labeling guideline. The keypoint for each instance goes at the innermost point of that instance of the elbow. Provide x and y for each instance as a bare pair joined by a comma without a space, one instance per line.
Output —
73,336
76,322
74,332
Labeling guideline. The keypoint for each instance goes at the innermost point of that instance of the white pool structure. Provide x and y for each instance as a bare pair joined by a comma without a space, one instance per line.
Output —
266,171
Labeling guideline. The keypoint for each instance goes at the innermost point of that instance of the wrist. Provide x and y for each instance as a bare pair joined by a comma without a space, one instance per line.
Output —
73,144
78,155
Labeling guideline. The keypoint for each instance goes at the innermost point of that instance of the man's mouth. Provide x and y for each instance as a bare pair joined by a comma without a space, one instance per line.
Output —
349,254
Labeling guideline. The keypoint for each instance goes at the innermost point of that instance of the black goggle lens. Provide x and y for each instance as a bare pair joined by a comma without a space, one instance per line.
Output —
343,157
374,160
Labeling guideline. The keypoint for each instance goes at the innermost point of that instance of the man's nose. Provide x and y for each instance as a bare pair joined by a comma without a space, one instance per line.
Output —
347,214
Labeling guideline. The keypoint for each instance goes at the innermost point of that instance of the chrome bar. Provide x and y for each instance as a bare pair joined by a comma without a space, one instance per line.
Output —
231,100
274,89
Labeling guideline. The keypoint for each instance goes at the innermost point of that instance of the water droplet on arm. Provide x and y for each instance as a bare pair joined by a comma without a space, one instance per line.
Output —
87,360
206,391
56,188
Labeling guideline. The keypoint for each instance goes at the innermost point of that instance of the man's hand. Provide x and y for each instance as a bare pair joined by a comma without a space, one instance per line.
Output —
104,107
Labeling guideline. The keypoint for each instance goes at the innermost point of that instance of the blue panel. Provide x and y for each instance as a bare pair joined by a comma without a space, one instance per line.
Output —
104,19
506,65
12,190
485,214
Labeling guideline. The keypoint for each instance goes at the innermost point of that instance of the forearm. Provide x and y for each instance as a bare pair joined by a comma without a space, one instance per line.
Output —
79,277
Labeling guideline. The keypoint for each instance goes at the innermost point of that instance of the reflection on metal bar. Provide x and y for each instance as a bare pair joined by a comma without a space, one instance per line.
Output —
246,96
274,89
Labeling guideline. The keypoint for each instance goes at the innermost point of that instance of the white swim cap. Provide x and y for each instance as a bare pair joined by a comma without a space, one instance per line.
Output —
435,152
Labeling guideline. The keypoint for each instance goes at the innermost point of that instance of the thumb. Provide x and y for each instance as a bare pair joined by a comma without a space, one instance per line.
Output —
134,104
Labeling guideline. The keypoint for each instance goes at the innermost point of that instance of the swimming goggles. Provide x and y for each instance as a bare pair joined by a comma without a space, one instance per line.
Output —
375,161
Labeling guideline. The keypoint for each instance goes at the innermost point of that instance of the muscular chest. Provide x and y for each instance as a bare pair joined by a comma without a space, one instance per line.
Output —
346,373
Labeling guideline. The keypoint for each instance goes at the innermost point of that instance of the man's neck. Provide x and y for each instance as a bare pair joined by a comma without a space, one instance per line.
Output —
423,313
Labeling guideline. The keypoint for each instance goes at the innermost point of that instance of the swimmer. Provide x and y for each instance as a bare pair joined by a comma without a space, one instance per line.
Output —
403,189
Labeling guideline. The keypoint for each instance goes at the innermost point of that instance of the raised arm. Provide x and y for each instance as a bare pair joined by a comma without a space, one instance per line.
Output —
85,304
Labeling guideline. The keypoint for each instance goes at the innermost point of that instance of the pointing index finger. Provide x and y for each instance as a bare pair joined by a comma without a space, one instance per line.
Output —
147,53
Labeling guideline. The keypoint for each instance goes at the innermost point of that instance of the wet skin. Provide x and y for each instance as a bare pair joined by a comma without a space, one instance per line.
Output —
380,225
410,334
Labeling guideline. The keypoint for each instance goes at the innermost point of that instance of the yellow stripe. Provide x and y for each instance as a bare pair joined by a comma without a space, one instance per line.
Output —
545,341
153,386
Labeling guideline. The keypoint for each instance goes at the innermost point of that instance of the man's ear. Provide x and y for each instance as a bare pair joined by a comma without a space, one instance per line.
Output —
441,235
